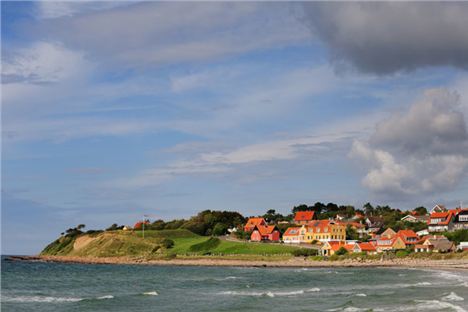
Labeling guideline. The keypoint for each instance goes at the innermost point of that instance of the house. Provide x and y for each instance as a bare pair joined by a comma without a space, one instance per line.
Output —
440,221
294,235
374,224
385,243
438,208
409,237
252,222
463,246
357,216
325,230
422,233
330,248
265,233
141,224
414,218
435,243
304,217
365,247
127,228
388,233
358,227
460,220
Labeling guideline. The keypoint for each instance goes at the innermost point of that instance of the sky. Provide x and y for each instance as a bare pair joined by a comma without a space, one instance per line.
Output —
113,110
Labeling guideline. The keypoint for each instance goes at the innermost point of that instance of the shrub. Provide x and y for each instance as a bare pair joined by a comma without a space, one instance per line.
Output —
304,252
167,243
341,251
402,253
219,229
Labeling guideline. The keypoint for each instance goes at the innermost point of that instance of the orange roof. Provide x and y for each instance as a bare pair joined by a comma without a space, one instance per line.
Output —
304,216
255,221
442,214
265,229
335,245
366,246
407,233
292,231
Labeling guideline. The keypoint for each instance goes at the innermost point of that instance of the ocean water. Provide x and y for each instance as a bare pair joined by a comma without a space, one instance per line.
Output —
33,286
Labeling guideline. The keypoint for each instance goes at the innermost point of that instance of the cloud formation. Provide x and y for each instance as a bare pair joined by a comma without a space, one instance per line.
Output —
421,151
386,37
159,33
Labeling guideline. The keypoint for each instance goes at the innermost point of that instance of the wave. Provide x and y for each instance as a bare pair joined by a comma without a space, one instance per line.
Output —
349,309
270,294
105,297
452,297
361,295
424,305
151,293
43,299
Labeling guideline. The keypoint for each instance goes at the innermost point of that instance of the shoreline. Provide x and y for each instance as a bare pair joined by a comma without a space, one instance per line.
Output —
452,264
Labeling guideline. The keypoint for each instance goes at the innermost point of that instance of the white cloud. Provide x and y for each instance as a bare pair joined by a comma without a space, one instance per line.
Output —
43,62
421,151
159,33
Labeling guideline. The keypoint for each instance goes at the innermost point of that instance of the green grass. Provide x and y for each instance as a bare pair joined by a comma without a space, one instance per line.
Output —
186,243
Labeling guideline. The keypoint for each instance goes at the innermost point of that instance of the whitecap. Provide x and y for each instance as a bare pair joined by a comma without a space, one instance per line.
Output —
361,295
44,299
313,289
436,305
105,297
151,293
452,297
423,284
269,293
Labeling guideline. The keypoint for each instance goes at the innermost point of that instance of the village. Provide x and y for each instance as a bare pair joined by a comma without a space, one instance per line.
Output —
329,236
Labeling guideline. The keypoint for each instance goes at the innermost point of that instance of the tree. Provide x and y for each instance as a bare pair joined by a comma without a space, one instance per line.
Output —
351,233
113,227
341,251
219,229
80,226
368,209
421,211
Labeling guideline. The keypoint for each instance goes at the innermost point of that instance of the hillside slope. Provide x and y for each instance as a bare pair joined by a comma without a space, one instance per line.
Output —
131,243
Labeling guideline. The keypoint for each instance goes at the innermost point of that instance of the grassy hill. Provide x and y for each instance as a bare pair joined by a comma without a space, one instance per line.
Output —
131,243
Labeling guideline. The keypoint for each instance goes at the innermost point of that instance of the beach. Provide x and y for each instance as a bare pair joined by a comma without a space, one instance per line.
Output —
292,262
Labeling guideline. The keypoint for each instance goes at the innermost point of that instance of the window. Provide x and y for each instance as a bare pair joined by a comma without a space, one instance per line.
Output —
463,218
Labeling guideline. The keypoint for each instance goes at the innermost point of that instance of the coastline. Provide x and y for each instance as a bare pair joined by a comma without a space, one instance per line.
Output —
451,264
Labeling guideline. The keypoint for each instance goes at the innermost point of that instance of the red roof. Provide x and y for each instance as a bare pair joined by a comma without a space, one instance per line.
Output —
292,231
335,245
139,224
366,246
252,222
304,216
447,215
265,229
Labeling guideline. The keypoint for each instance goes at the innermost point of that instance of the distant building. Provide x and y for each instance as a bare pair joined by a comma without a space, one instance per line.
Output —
330,248
414,218
435,243
365,247
295,235
265,233
374,224
460,220
318,230
252,223
304,217
139,224
440,221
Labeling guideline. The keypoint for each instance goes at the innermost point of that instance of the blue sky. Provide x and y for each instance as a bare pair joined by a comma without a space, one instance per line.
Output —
112,110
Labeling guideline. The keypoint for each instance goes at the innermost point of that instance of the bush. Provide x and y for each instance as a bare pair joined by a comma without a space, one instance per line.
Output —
219,229
304,252
402,253
341,251
167,243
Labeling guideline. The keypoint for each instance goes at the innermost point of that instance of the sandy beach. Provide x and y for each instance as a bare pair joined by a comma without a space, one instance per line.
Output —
293,262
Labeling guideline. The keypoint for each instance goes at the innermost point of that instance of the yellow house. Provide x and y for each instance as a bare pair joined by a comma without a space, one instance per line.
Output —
325,231
390,243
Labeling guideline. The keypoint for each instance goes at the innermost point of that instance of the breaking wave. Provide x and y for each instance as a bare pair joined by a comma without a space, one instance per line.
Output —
452,297
151,293
44,299
270,294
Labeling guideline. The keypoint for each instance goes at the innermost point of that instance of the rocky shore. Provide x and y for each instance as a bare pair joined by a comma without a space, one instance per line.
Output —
293,262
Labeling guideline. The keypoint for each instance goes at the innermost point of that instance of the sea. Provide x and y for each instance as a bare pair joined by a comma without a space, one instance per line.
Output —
39,286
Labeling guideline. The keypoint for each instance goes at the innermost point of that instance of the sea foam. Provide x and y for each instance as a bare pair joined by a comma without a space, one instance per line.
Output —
452,297
151,293
44,299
